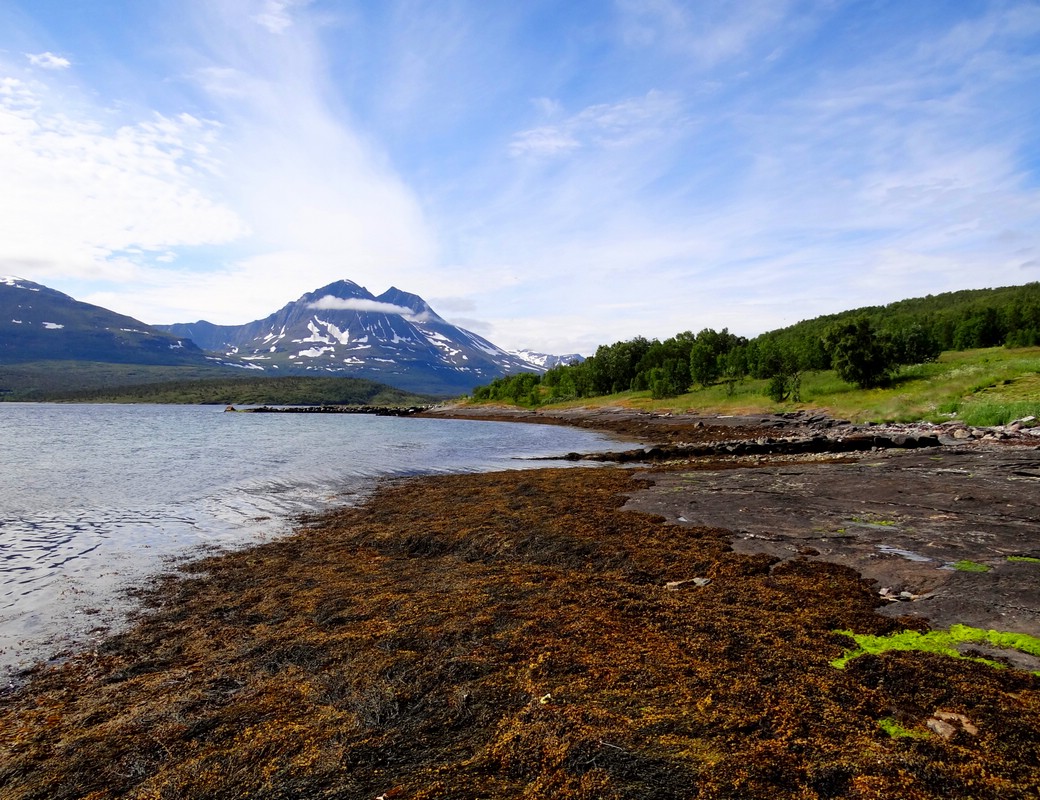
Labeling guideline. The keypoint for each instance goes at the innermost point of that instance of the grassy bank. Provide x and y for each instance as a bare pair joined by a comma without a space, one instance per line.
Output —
979,387
511,636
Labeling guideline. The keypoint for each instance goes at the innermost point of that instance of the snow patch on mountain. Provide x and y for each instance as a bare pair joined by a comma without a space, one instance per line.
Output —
16,283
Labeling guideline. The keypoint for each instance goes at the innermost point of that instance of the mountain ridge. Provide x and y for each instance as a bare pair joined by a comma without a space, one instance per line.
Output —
342,328
38,323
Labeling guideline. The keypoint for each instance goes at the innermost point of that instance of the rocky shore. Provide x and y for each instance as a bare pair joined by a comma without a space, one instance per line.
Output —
943,518
668,630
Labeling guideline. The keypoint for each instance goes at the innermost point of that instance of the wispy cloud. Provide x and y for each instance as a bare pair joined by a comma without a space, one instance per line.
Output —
48,60
709,33
623,124
276,15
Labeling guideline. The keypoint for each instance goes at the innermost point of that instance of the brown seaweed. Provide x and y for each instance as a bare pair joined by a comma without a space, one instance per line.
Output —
510,635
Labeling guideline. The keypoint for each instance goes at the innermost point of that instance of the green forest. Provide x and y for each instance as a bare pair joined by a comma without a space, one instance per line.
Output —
288,390
866,347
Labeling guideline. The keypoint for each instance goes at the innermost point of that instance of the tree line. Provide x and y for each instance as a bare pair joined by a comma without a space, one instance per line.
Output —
865,347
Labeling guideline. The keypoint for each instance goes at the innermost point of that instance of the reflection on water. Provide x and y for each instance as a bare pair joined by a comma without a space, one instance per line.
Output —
94,498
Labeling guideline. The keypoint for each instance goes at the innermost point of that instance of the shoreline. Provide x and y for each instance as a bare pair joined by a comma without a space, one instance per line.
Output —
515,634
940,516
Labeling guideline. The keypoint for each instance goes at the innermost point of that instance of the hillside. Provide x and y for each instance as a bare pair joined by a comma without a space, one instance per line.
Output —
871,348
41,324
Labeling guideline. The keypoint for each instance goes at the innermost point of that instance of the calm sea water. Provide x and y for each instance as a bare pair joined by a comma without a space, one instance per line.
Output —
96,498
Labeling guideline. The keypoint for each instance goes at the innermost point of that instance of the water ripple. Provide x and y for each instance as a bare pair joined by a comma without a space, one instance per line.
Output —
94,499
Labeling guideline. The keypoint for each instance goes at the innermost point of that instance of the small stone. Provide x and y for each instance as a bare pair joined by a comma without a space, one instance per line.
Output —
963,721
962,433
944,729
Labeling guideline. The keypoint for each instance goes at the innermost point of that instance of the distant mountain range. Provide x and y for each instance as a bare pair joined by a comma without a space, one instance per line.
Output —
339,329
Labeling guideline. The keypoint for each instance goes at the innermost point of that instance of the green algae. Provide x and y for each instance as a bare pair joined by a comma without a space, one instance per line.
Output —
1024,559
897,731
970,566
941,642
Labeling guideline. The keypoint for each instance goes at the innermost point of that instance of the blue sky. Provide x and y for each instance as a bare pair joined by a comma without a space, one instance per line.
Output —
552,175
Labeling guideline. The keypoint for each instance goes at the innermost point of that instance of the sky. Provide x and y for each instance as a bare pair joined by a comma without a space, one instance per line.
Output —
551,175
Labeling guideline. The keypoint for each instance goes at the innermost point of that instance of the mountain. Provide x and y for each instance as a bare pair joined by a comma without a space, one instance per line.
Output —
41,324
395,338
544,361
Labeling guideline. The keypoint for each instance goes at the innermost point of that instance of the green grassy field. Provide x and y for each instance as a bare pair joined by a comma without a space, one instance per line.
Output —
980,387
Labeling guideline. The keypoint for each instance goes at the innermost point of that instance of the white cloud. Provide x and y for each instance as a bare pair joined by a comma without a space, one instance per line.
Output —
275,15
88,191
332,303
48,60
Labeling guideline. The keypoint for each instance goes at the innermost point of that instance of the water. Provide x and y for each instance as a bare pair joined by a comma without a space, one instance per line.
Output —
95,498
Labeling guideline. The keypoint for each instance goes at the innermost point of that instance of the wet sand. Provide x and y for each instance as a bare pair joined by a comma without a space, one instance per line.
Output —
533,634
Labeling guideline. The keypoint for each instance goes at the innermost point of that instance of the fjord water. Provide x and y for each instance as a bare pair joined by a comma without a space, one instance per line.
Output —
94,498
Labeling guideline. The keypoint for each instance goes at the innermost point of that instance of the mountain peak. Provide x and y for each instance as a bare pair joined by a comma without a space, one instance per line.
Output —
419,307
19,283
342,328
343,289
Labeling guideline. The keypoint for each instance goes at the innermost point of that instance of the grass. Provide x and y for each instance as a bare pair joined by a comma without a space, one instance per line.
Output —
941,642
979,387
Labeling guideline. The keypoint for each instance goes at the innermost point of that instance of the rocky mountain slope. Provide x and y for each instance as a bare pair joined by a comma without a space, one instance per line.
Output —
42,324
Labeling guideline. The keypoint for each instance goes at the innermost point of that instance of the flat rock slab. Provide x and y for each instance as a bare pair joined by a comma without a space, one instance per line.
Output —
901,518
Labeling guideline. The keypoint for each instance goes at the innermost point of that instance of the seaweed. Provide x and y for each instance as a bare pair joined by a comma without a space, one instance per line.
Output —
509,636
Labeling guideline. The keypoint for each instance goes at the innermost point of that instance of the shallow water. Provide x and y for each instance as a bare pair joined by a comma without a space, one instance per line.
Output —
95,498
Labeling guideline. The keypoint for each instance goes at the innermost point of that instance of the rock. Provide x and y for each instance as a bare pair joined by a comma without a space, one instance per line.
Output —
674,586
962,433
944,729
953,717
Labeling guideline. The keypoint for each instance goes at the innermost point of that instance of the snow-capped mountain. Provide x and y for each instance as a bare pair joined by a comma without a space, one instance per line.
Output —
342,328
42,324
544,361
